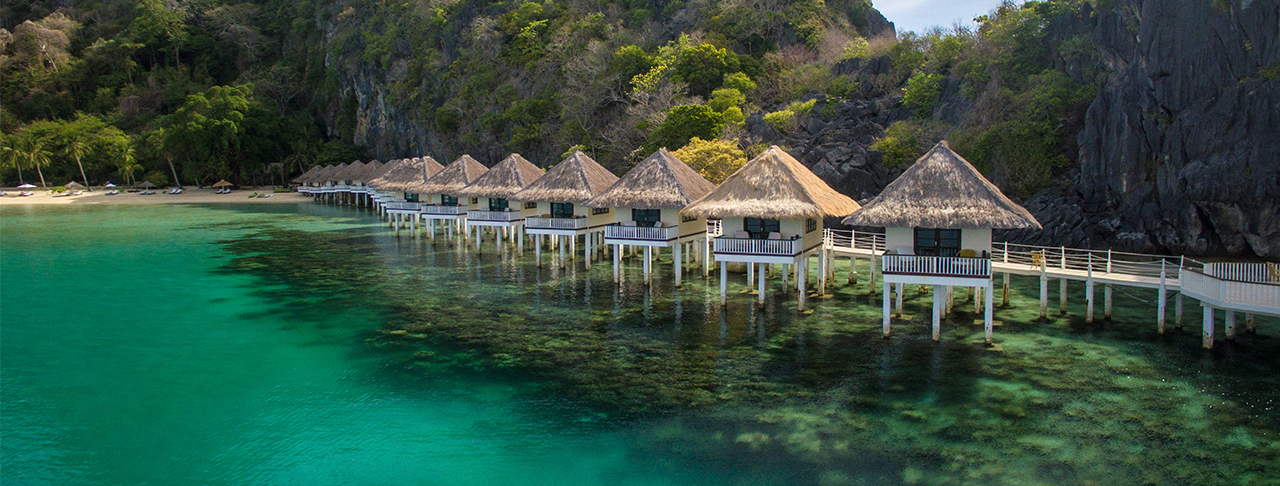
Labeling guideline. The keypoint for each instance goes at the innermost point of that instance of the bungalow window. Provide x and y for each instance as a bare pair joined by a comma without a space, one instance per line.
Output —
686,219
595,211
759,228
810,225
562,210
448,200
646,217
531,205
498,204
408,197
475,200
937,242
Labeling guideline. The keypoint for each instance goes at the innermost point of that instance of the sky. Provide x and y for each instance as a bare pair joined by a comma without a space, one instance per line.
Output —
919,15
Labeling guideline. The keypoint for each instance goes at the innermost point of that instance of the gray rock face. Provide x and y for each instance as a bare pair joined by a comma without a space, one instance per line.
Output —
1180,151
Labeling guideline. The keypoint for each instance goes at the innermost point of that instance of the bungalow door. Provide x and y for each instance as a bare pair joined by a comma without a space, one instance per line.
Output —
646,217
498,204
937,242
562,210
447,200
759,228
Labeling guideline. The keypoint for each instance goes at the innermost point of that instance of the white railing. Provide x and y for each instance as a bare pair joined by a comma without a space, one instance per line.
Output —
715,228
642,232
494,216
1250,296
1244,272
937,265
752,246
342,188
443,210
858,240
403,206
556,223
1100,261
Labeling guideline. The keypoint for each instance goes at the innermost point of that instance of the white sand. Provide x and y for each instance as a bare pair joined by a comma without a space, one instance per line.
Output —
191,195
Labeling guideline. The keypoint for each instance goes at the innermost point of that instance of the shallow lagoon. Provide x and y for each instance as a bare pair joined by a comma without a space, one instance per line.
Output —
308,344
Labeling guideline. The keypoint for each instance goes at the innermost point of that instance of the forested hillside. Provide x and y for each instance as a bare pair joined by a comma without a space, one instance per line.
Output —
1042,97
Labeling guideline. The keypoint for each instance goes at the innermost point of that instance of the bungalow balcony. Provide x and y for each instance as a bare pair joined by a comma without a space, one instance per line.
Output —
939,270
776,250
640,235
494,218
402,207
546,225
436,211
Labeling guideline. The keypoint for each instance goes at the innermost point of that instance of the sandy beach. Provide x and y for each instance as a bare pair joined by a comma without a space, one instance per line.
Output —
190,195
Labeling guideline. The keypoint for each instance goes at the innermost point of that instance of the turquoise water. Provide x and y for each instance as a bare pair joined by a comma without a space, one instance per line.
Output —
281,344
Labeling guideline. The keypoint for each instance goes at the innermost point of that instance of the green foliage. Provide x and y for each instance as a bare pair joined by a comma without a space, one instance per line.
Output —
157,177
739,81
683,123
715,160
703,68
922,93
1270,73
844,87
906,141
857,48
725,98
784,121
802,107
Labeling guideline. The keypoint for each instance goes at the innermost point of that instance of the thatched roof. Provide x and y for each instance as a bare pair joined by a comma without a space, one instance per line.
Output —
320,172
365,173
330,175
510,176
349,172
942,190
302,179
409,173
383,170
451,179
576,180
661,181
772,185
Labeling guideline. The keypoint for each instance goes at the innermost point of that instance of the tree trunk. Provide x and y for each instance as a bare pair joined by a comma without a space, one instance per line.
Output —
20,181
175,173
87,187
38,171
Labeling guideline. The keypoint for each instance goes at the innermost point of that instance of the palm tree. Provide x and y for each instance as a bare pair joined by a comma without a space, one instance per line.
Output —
127,161
77,148
9,155
33,153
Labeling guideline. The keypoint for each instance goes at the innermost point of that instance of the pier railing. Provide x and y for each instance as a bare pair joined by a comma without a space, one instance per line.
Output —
506,216
539,222
937,266
715,227
642,232
752,246
443,210
1260,297
860,240
403,206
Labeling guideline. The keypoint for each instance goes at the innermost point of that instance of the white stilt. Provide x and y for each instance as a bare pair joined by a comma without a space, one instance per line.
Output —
563,261
1177,311
1207,340
1250,324
802,271
648,264
586,252
1161,297
1088,298
1106,302
1062,296
617,263
751,276
988,316
677,261
887,313
938,303
761,272
901,288
1044,293
1230,324
537,251
724,283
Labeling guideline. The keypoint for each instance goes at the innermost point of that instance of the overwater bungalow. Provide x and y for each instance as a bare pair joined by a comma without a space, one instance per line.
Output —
494,189
403,181
326,180
772,212
646,203
359,188
560,196
342,182
938,217
302,179
439,194
378,196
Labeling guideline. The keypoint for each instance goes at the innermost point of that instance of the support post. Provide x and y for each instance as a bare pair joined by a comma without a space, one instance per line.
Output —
1004,300
1161,297
677,262
762,275
1106,299
901,288
802,270
1207,340
1250,324
648,263
617,263
938,303
887,314
1177,311
1230,324
1062,296
1044,290
537,251
989,316
724,283
1088,291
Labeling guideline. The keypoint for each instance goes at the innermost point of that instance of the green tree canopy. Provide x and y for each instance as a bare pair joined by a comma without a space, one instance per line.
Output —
683,123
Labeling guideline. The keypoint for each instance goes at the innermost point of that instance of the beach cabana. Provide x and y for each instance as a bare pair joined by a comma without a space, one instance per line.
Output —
560,196
646,203
938,217
405,179
771,212
439,194
493,191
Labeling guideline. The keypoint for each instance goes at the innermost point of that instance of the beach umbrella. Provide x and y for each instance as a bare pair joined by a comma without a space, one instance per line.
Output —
26,186
146,185
109,185
73,185
222,183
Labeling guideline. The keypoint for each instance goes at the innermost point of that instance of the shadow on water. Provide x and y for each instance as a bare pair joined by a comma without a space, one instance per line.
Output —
819,395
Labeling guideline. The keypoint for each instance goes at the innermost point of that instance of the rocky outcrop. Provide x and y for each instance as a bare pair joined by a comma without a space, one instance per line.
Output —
1180,151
